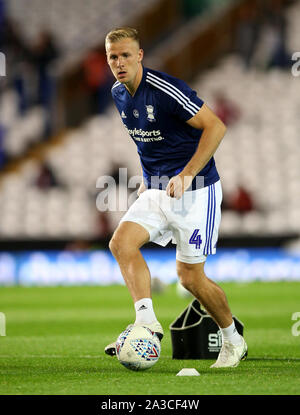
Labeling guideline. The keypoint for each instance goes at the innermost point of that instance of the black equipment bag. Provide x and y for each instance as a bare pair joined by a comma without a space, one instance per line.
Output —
195,335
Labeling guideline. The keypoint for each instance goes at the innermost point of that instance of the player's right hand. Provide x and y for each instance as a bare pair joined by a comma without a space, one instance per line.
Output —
178,185
141,189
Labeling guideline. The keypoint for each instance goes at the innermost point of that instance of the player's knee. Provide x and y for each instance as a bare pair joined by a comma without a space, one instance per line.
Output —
185,276
119,246
186,283
190,274
115,245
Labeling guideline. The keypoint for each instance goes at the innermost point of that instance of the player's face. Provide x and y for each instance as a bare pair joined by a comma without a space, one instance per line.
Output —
124,58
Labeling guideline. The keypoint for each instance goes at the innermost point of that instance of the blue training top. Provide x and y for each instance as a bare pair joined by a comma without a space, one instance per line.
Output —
155,118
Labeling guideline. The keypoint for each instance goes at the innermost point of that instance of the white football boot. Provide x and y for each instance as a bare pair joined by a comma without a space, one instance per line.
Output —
156,327
230,355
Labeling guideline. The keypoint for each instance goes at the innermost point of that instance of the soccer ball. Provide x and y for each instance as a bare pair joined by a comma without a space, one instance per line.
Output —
138,348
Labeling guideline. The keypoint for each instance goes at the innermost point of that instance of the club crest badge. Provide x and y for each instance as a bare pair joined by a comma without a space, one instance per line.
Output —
150,113
136,113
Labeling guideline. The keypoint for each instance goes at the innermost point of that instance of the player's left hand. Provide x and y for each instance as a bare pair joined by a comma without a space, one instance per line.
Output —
178,184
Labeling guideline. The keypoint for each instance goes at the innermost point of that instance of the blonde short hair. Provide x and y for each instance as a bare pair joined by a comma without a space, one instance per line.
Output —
122,33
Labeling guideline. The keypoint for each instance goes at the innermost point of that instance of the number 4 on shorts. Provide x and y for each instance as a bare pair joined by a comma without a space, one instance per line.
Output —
196,239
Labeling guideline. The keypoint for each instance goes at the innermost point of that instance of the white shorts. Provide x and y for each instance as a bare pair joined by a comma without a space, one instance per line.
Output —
192,222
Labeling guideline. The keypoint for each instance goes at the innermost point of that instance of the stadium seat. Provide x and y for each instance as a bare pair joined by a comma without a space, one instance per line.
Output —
261,151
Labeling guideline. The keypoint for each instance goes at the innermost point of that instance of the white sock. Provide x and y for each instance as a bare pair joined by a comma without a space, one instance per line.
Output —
231,334
144,311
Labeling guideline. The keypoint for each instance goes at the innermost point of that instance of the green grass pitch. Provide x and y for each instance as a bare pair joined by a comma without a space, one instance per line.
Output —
55,338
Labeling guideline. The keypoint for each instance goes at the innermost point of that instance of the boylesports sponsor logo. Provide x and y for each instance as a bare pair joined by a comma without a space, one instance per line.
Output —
145,136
